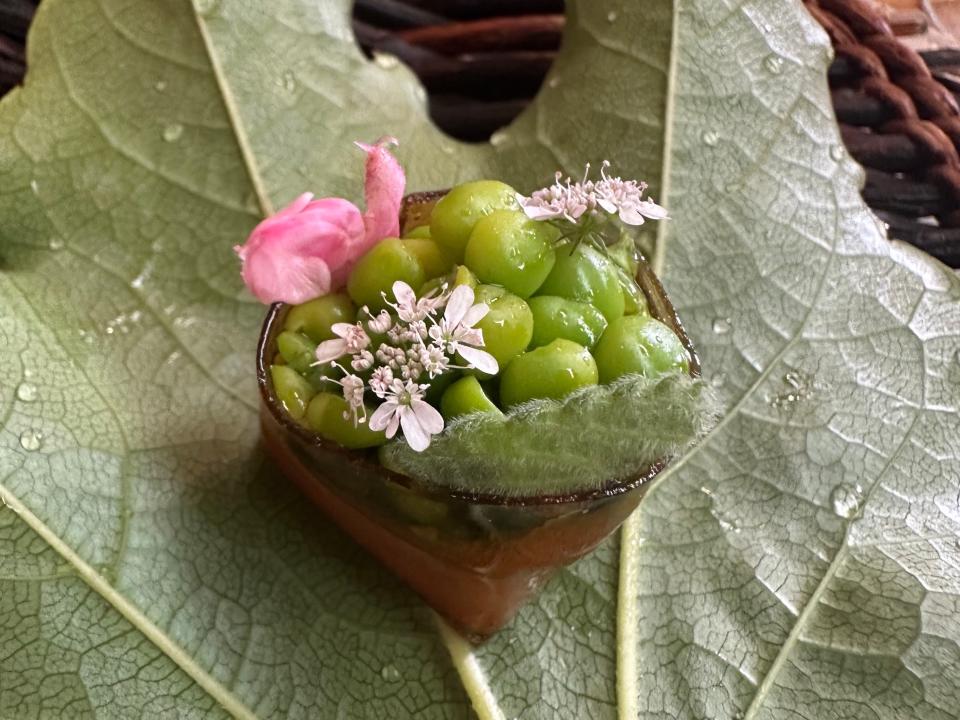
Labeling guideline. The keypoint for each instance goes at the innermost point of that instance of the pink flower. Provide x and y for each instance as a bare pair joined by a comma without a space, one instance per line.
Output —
308,248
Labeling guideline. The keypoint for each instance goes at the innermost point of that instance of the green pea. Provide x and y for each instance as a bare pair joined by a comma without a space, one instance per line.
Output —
292,389
507,327
455,215
418,232
551,371
464,397
584,274
460,275
325,416
411,505
555,317
297,350
385,263
508,248
463,276
639,344
434,259
314,318
439,384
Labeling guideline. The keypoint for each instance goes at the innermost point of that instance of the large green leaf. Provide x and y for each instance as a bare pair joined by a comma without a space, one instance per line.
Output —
803,562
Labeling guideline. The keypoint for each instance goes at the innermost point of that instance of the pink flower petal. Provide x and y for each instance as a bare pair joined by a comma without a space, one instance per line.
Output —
475,314
430,419
279,277
480,359
330,350
404,294
383,192
417,438
296,206
381,417
460,301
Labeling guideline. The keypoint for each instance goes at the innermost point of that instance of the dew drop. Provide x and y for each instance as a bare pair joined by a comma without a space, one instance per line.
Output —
710,138
172,132
34,186
554,82
160,85
390,673
420,94
55,244
498,138
387,62
721,326
31,440
718,380
837,152
26,392
28,373
845,499
289,82
612,16
207,7
773,63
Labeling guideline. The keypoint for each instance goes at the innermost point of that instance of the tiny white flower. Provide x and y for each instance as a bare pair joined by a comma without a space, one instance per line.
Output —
455,332
409,308
380,380
350,340
379,323
434,360
404,408
362,361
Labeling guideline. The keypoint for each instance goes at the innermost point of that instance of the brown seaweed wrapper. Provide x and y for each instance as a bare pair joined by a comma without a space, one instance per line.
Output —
475,558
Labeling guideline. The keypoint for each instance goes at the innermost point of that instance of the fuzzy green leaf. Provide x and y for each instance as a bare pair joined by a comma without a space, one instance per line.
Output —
587,440
150,555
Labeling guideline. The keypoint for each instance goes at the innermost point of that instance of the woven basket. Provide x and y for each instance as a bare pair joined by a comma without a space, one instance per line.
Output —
483,60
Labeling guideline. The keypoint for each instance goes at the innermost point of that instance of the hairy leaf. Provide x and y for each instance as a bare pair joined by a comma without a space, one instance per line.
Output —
592,437
802,563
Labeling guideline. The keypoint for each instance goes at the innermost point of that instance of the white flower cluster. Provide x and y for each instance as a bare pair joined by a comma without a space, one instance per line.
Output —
418,348
570,201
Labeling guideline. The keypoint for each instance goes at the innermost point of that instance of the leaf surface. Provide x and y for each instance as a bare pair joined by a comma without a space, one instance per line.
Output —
802,563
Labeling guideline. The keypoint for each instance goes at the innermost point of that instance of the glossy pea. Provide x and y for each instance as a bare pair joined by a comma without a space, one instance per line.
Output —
385,263
292,390
297,350
314,318
460,275
556,317
551,371
435,259
507,327
639,344
465,397
418,232
584,274
455,215
507,248
325,416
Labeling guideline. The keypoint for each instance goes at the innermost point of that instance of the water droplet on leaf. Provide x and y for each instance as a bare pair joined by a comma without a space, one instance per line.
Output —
160,85
773,63
387,62
845,500
31,440
55,244
498,138
710,138
26,392
34,187
718,380
288,81
612,16
390,673
721,326
172,132
837,152
554,82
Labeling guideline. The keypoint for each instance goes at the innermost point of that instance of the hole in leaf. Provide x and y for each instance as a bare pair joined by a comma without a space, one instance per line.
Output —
481,61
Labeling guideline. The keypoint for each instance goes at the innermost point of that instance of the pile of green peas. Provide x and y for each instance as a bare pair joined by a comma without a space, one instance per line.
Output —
562,316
